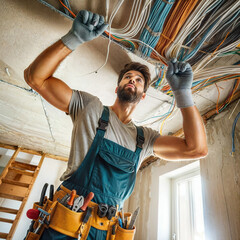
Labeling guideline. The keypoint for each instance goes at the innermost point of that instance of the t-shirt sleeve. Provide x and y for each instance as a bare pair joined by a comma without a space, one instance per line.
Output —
78,102
150,136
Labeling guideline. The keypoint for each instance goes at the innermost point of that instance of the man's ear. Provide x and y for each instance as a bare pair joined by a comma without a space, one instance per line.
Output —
143,96
116,89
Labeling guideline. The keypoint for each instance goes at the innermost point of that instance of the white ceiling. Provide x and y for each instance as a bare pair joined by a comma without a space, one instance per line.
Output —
27,28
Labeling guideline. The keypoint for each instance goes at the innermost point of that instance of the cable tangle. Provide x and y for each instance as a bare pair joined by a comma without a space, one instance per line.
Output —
197,31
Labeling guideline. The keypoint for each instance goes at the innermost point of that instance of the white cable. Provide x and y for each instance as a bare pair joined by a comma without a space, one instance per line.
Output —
137,19
107,10
192,24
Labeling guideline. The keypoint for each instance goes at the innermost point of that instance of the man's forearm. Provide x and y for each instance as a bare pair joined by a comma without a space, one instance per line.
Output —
46,63
194,130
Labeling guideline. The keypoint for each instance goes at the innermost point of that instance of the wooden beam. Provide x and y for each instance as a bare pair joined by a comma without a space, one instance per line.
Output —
16,183
8,146
3,235
10,196
57,157
39,153
6,220
13,228
5,171
8,210
24,166
22,172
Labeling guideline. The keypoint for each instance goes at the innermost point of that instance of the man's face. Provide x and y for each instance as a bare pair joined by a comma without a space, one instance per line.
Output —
131,87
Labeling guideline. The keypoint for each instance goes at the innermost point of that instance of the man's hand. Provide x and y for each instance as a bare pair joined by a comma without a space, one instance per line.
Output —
180,77
86,26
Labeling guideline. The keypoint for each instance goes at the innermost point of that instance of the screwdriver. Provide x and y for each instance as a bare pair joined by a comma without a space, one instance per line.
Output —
86,201
71,200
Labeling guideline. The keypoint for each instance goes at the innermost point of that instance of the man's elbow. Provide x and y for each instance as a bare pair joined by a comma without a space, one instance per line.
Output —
29,79
200,152
27,76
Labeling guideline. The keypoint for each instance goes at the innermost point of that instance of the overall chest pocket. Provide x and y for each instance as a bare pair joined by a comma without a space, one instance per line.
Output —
114,170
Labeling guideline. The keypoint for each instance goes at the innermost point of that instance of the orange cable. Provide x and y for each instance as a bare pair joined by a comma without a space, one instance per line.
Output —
219,44
74,15
218,97
173,23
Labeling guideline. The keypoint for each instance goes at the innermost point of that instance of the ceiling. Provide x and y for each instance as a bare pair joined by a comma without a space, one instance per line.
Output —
27,28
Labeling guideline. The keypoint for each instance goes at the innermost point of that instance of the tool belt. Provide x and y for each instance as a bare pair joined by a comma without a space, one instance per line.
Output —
78,224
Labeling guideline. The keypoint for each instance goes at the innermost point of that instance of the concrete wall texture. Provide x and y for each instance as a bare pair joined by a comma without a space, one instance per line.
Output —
220,173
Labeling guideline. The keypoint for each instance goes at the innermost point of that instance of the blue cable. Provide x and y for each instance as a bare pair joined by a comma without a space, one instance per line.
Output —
165,114
155,23
233,131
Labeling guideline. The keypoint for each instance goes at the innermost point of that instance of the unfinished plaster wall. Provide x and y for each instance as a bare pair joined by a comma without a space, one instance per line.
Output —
146,196
220,182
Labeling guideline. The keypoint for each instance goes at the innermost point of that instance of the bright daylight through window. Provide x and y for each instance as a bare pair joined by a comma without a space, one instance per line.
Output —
188,223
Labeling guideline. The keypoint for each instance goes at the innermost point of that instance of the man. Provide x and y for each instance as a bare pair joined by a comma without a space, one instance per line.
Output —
105,154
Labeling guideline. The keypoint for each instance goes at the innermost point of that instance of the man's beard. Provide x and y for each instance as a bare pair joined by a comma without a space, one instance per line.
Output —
126,95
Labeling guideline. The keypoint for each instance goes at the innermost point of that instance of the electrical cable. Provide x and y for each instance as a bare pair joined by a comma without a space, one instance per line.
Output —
174,22
233,132
152,31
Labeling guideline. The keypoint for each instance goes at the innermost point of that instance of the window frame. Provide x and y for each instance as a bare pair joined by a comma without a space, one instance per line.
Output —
175,212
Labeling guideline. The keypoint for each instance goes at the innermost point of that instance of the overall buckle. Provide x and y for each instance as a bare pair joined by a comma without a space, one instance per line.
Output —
140,141
102,124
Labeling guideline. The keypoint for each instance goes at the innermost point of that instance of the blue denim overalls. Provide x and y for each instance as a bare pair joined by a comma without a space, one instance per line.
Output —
108,170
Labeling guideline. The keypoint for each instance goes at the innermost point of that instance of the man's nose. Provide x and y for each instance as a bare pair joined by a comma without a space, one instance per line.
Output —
132,80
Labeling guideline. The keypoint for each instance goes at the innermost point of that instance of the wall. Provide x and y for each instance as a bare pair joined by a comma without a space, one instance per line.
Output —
221,179
220,183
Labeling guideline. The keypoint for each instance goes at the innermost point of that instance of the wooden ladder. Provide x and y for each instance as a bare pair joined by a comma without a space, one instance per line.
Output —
16,182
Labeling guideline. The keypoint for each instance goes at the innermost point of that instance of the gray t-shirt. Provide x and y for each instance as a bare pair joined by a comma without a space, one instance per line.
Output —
85,111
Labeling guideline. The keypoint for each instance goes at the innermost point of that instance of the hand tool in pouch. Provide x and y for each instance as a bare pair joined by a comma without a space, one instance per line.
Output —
122,217
133,219
34,213
102,210
112,210
42,220
71,200
86,201
64,200
78,203
51,192
85,220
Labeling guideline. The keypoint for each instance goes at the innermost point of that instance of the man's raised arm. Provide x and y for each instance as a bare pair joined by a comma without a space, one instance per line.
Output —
39,75
180,77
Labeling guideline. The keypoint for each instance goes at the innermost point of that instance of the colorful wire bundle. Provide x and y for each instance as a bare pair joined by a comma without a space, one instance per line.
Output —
174,22
196,31
152,31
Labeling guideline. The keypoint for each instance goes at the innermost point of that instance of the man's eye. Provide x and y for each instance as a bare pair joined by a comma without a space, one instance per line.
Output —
127,77
139,80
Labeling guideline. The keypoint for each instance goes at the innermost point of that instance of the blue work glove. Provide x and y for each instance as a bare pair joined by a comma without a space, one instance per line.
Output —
180,77
86,26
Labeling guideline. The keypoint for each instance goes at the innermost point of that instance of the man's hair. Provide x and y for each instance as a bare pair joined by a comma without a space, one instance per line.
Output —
143,69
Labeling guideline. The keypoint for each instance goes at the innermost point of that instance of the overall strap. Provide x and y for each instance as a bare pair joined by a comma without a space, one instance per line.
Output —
140,139
103,121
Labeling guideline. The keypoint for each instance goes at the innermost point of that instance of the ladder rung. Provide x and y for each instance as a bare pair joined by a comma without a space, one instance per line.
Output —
26,166
3,235
9,181
6,220
10,196
8,210
23,172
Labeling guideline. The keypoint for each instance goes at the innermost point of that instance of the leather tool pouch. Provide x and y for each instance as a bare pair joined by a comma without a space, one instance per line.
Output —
68,222
46,207
32,236
124,234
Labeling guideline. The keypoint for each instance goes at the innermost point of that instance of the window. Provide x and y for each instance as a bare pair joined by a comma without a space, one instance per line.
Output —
187,207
